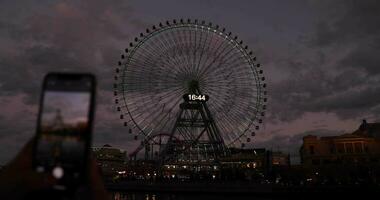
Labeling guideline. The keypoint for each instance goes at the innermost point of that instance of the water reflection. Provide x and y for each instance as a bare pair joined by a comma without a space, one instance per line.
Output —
177,196
137,196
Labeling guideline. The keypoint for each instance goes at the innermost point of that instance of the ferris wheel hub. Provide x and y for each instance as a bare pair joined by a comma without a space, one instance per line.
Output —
193,86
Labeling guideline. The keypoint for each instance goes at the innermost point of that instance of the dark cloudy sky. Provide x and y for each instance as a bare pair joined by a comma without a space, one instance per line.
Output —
321,60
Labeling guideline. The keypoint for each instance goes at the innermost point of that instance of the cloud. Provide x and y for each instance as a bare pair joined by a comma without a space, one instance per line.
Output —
364,57
293,142
341,74
349,94
79,36
344,22
63,36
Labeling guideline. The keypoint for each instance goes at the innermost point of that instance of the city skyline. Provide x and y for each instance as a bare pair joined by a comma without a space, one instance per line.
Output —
320,61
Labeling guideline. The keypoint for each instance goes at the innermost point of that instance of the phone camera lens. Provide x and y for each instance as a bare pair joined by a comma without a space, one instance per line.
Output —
57,172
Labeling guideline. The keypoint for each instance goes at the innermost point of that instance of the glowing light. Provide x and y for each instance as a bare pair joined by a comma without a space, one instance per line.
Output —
58,172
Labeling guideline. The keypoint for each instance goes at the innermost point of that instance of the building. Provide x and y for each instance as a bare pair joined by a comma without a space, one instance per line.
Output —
241,164
369,129
248,158
280,159
362,146
352,158
255,164
112,161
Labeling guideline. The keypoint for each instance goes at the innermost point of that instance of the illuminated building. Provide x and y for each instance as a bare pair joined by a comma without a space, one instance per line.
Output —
248,158
362,146
250,164
280,159
112,161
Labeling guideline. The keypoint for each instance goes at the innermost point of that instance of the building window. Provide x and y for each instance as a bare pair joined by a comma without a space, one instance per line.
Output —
349,148
311,150
340,147
366,149
358,147
332,150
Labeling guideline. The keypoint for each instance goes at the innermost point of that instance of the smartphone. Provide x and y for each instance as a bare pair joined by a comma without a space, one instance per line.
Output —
64,127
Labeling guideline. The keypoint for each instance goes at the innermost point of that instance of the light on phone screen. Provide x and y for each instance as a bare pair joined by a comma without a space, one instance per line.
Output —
64,122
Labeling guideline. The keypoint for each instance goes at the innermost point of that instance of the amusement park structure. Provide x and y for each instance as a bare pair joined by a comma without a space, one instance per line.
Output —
190,91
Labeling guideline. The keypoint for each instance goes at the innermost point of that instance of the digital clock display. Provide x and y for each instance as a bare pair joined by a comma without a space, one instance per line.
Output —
195,97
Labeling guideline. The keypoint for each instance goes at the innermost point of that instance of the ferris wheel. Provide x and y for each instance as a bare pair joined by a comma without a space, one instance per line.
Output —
194,81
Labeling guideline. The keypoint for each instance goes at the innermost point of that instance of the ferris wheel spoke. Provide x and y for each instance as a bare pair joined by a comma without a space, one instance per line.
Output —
242,118
187,49
231,84
148,52
183,61
230,117
138,101
241,74
161,66
190,53
214,48
225,131
233,142
201,41
221,55
163,46
176,43
206,67
217,68
195,48
252,108
167,115
233,64
148,64
210,48
182,58
175,105
153,86
219,99
192,40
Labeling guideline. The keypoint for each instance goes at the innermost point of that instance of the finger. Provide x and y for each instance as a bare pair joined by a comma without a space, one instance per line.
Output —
96,181
37,181
23,160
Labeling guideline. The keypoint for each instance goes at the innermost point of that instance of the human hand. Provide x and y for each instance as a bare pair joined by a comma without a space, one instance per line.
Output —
95,182
18,178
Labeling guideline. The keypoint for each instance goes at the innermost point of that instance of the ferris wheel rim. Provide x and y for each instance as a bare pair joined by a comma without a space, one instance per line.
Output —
220,33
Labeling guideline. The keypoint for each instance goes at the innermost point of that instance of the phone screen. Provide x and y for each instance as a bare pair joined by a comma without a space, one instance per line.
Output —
64,128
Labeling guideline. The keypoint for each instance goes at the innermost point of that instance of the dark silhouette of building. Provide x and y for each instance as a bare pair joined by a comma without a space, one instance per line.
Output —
361,146
368,129
112,161
352,158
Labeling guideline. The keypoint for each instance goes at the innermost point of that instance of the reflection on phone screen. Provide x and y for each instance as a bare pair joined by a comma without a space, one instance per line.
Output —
63,125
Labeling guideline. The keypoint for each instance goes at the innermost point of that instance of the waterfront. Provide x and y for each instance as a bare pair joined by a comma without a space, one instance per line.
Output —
176,196
135,190
168,196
